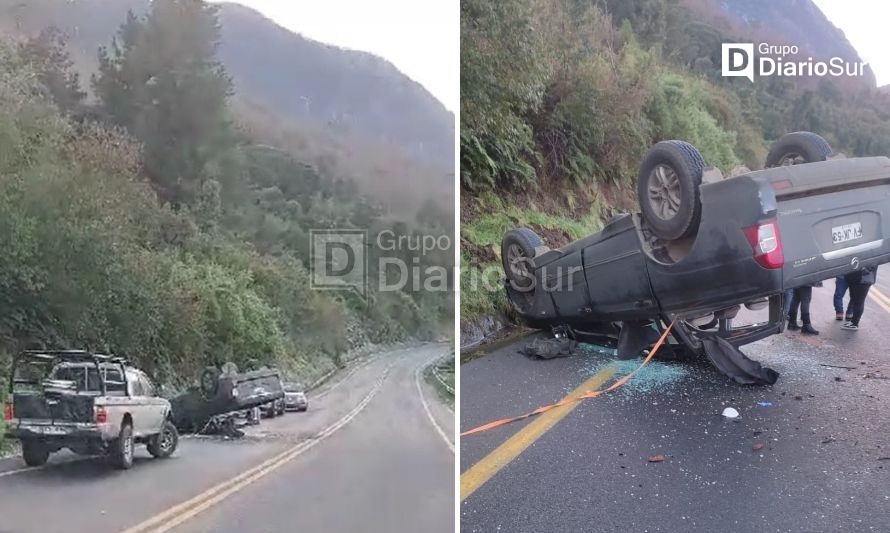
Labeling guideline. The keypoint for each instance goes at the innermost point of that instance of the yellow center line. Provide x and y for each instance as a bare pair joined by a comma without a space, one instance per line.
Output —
880,298
478,474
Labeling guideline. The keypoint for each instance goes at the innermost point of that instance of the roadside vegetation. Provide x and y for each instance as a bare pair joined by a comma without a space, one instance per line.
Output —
559,101
146,221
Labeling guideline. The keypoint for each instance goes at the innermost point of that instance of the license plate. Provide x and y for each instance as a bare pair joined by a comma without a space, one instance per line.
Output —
53,430
847,232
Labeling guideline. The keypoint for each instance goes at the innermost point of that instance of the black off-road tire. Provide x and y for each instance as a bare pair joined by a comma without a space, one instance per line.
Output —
34,452
671,171
162,445
522,241
120,452
798,148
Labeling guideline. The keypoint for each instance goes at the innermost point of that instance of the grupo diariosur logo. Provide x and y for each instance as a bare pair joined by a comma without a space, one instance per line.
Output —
339,261
738,59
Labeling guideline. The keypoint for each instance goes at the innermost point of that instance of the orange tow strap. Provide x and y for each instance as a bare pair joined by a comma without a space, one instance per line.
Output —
589,394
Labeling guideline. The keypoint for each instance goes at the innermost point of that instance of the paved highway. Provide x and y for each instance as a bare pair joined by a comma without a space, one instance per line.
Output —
824,464
371,454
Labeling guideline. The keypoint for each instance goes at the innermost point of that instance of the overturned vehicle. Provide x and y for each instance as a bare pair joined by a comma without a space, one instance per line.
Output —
703,246
222,394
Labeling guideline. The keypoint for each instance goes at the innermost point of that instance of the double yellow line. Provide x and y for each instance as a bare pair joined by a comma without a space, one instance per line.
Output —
187,510
478,474
880,298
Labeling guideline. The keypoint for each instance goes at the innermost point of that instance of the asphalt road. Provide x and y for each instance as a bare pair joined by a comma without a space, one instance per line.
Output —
365,457
824,464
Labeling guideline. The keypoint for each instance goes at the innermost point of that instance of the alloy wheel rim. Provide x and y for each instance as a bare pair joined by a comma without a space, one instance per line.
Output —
664,192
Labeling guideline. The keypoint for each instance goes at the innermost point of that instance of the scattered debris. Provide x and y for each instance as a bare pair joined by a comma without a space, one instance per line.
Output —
656,458
838,378
757,446
730,412
765,404
883,458
550,348
875,375
838,366
798,397
828,440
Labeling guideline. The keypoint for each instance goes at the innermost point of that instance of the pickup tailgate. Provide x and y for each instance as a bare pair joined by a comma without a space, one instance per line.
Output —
833,217
52,407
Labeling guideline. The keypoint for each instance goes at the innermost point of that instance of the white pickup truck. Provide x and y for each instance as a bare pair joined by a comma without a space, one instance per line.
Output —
89,403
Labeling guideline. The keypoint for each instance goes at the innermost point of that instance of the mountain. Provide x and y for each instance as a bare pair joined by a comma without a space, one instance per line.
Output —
294,78
782,22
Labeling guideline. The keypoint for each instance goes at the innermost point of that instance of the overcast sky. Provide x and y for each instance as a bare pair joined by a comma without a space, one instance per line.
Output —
865,23
420,37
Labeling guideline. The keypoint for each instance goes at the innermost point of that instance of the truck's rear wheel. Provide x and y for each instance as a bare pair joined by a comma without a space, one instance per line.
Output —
668,189
34,452
797,148
517,250
121,452
163,444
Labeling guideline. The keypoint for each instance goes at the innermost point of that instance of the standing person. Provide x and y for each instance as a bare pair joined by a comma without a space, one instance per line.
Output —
801,298
860,283
840,289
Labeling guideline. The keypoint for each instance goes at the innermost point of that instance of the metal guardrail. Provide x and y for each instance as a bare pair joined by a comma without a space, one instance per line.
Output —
438,377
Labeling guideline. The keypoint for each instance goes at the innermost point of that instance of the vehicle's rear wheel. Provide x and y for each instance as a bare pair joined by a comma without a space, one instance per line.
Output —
163,444
517,250
798,148
34,452
668,189
121,451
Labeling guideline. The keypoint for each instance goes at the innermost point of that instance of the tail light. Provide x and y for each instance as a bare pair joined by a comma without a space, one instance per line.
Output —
764,239
8,412
101,415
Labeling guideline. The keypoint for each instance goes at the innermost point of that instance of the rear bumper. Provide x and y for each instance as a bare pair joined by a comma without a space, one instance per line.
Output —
24,430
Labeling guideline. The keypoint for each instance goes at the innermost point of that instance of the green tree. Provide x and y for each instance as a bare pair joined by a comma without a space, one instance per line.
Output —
162,81
47,53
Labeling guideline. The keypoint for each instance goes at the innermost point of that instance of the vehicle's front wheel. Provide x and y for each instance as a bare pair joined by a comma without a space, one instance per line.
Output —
668,189
34,452
162,445
798,148
121,451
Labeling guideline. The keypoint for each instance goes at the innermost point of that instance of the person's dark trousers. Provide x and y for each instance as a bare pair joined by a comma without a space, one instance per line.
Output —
840,289
789,297
858,294
802,297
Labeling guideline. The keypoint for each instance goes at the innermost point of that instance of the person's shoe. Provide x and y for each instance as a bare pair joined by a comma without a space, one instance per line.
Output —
838,316
849,326
808,329
848,317
792,326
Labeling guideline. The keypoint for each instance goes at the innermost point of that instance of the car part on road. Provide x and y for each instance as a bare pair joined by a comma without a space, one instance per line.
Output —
668,189
730,412
550,348
734,364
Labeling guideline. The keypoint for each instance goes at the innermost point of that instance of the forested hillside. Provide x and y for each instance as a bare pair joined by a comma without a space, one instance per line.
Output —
147,222
322,95
559,100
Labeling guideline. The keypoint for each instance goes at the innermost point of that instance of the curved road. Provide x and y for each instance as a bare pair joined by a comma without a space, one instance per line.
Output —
809,454
369,455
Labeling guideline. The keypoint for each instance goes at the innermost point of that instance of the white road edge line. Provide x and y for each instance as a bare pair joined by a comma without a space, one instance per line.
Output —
200,503
426,407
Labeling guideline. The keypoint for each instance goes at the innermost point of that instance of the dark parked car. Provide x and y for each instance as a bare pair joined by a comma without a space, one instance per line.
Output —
701,248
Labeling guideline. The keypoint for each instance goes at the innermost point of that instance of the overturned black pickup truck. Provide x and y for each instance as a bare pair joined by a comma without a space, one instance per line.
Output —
703,246
223,392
